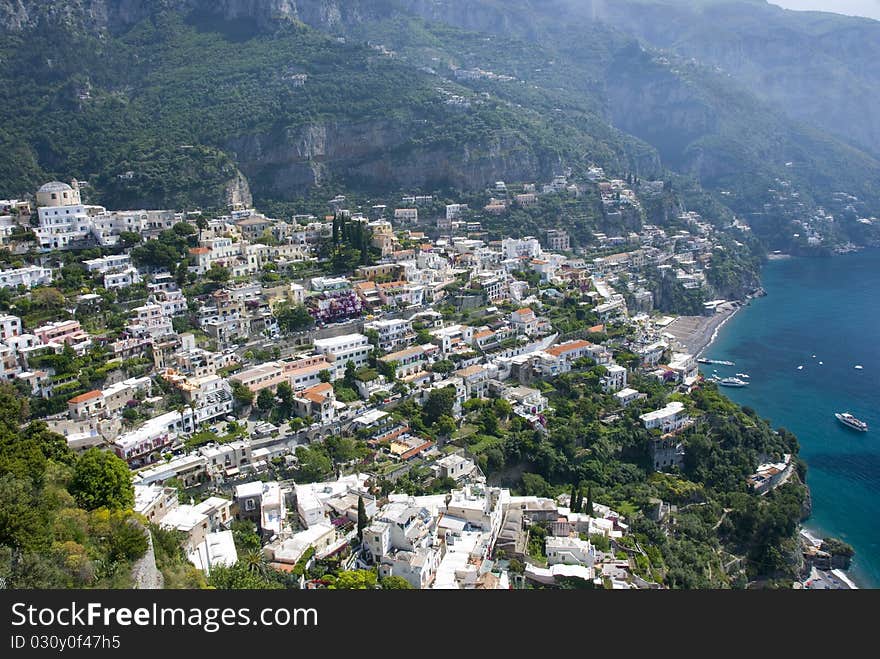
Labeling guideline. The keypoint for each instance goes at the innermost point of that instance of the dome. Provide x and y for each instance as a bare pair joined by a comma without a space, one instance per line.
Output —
55,186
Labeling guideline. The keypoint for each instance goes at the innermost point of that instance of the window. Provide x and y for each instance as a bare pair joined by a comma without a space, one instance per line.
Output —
249,504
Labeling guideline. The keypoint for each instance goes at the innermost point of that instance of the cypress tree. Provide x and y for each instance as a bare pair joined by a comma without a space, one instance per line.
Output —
362,519
572,499
589,508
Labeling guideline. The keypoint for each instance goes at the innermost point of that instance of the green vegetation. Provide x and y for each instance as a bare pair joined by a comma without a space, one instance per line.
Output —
65,522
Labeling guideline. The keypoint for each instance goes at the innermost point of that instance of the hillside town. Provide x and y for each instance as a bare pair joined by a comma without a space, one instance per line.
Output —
342,382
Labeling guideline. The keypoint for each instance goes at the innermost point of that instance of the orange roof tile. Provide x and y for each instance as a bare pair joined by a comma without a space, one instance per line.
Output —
564,348
82,398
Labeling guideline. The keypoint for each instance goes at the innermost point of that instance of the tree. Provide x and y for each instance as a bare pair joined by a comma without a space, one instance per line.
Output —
102,480
572,498
293,318
48,298
489,422
285,395
350,377
244,534
502,408
589,508
355,580
395,583
265,400
324,375
440,402
241,394
217,274
443,366
129,239
362,519
445,426
239,577
314,463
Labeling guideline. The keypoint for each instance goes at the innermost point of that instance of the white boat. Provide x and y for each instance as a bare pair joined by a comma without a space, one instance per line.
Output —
743,375
800,367
732,382
859,366
849,420
820,363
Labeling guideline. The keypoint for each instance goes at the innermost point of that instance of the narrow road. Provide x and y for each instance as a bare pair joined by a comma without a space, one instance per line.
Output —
145,574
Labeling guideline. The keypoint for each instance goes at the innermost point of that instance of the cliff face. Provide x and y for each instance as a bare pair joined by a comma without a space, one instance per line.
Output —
379,154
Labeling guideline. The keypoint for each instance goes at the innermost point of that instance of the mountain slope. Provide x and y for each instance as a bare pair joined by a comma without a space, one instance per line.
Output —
164,103
184,98
819,68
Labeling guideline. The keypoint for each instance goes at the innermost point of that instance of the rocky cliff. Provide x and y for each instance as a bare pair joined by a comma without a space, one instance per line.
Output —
380,155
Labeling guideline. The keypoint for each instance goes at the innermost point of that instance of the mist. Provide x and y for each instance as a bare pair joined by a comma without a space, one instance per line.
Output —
866,8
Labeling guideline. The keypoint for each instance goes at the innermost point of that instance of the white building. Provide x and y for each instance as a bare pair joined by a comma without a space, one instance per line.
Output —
668,419
614,379
569,551
343,349
121,279
516,248
108,263
29,276
9,326
392,332
626,396
62,216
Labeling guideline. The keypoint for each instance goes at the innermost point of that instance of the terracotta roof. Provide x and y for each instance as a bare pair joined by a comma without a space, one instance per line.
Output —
480,335
597,328
393,284
470,370
318,393
523,310
199,250
82,398
563,348
401,354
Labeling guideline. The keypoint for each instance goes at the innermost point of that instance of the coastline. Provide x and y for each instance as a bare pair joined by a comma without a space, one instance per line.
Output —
706,343
696,334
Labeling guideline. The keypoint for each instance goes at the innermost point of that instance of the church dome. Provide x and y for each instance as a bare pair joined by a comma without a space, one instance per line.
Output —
55,186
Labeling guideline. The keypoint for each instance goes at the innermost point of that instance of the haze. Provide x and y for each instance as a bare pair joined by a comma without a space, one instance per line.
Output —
867,8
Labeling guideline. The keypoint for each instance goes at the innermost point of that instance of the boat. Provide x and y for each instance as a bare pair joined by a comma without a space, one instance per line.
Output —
721,362
732,382
800,367
849,420
743,375
858,366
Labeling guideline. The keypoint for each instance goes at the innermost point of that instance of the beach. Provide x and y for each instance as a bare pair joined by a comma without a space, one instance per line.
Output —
696,333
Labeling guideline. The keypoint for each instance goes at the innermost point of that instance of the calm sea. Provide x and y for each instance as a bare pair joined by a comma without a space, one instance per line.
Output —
822,314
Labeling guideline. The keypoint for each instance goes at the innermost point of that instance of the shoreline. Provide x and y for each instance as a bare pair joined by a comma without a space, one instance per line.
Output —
717,329
695,334
803,524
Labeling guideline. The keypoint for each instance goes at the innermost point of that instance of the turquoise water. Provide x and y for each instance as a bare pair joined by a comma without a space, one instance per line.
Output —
830,308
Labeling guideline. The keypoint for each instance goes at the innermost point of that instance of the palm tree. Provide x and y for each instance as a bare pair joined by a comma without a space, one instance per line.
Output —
255,561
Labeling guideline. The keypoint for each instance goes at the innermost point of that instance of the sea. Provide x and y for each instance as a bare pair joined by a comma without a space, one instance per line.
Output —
800,346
